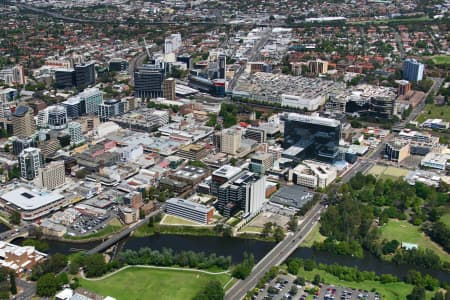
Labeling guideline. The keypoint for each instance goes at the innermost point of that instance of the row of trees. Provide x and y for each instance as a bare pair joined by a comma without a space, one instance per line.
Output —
167,257
353,274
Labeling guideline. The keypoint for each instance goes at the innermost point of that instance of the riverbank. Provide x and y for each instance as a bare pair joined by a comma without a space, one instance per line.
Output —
154,283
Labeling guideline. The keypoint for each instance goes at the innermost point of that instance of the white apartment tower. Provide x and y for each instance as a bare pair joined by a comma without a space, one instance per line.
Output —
30,160
75,132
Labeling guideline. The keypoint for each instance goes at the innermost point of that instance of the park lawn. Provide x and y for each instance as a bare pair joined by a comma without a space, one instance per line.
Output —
313,236
432,111
445,218
144,283
403,231
441,59
174,220
388,291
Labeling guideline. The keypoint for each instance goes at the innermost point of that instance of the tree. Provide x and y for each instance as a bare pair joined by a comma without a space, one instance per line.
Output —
62,279
267,229
14,218
293,266
418,293
212,291
278,234
316,279
299,281
293,291
46,285
12,283
293,223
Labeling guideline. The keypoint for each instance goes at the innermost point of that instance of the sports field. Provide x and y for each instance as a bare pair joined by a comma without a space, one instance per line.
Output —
143,283
388,172
441,59
403,231
432,111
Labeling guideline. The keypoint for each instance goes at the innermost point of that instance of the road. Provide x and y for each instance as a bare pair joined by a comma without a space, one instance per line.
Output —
28,289
135,63
15,233
254,53
437,83
124,233
276,256
399,42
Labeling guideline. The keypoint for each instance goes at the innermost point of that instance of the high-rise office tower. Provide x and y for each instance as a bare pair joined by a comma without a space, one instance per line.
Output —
185,58
30,160
404,87
57,117
23,121
118,65
75,132
245,192
65,78
22,142
84,75
52,175
412,70
169,85
311,137
148,81
92,98
110,108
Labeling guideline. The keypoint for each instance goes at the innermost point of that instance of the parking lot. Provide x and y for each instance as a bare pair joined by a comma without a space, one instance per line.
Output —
280,288
86,224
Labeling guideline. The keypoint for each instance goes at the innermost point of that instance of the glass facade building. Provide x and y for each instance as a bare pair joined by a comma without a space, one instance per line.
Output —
310,137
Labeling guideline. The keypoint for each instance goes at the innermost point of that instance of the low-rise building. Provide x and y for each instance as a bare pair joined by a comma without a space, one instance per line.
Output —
129,215
397,151
435,161
32,203
189,210
313,174
19,259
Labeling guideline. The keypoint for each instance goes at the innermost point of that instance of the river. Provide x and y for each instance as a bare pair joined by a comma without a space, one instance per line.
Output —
236,247
3,228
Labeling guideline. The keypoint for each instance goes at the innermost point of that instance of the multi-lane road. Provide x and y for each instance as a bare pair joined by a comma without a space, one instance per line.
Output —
276,256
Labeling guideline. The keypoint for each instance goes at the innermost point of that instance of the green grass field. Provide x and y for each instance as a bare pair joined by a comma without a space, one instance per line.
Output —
406,232
174,220
432,111
313,236
388,172
441,59
446,219
389,291
134,283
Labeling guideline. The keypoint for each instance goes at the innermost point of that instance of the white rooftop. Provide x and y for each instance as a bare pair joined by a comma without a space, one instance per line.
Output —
28,199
